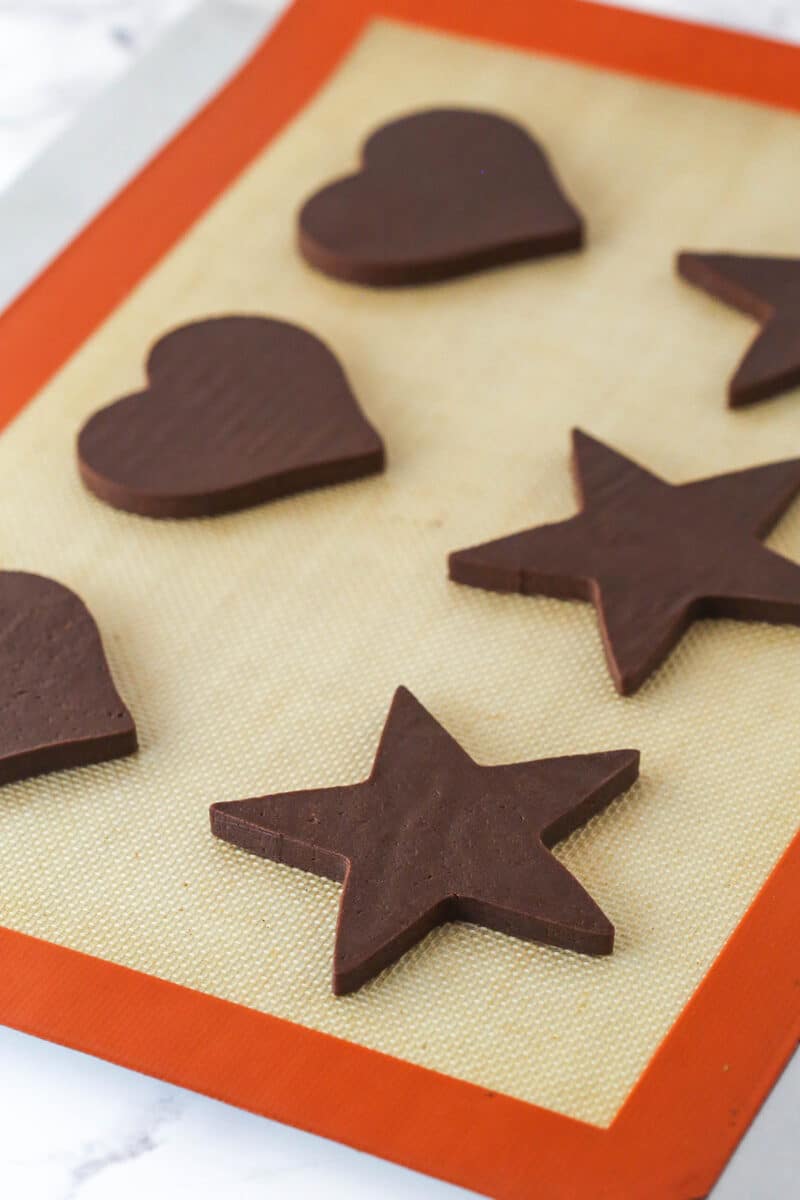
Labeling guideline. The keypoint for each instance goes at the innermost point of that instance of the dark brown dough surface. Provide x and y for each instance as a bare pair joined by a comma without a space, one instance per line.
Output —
769,290
441,193
58,704
239,410
652,556
432,836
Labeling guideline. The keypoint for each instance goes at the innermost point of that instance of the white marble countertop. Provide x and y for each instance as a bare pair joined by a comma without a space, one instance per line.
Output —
72,1127
56,54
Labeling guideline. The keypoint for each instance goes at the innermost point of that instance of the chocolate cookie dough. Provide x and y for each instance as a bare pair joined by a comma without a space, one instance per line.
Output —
652,556
58,704
238,410
769,290
440,193
432,836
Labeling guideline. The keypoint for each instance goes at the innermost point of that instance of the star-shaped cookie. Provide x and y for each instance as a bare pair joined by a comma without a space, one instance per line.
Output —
432,836
652,556
769,290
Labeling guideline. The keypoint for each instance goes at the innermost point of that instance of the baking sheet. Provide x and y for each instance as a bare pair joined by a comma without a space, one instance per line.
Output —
259,652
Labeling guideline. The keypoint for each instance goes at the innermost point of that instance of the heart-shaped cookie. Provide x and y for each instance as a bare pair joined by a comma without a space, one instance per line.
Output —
58,704
440,193
238,410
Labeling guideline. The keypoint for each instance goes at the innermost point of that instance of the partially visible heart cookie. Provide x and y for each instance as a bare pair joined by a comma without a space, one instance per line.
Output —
58,704
440,193
238,410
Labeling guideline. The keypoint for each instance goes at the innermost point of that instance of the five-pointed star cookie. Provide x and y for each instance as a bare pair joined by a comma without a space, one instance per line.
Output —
769,290
652,556
432,836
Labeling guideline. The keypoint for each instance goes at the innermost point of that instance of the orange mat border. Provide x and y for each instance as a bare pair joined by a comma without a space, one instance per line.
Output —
696,1097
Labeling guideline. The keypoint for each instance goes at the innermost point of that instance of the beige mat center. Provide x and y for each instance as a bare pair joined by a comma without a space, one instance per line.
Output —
260,651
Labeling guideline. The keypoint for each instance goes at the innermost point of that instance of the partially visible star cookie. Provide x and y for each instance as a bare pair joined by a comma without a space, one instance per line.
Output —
769,290
652,556
432,836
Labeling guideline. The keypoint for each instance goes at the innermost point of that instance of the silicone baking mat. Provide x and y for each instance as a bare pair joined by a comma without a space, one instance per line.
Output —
259,651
